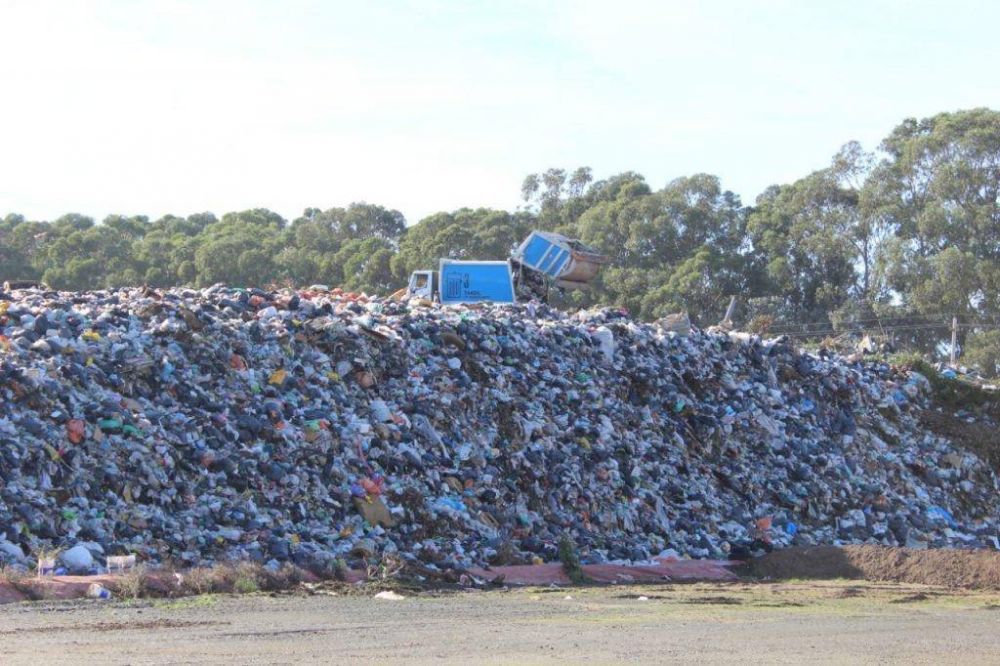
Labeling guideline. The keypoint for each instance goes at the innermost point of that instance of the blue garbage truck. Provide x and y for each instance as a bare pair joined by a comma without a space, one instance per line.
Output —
542,262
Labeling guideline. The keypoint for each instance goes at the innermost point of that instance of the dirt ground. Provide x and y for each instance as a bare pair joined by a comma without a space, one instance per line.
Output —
789,622
974,569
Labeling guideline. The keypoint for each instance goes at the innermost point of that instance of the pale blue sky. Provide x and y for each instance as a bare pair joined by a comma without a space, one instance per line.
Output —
174,106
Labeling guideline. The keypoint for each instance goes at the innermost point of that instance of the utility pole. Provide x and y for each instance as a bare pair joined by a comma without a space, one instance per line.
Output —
954,338
729,310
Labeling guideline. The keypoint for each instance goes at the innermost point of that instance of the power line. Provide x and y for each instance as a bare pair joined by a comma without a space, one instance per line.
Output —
890,321
848,329
831,331
910,327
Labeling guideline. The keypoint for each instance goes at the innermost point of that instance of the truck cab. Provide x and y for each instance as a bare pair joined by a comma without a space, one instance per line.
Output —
464,282
421,285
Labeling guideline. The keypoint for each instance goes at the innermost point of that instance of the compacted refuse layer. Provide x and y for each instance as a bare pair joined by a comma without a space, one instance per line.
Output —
196,426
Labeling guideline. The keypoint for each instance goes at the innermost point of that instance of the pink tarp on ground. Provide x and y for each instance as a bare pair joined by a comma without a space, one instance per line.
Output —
547,574
51,587
9,595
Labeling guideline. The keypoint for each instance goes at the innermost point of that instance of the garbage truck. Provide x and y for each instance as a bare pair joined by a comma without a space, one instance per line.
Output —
543,261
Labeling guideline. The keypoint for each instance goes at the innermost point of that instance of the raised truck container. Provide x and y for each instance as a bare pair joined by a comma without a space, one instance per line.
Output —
570,263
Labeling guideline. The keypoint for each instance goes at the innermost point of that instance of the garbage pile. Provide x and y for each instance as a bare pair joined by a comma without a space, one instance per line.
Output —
321,428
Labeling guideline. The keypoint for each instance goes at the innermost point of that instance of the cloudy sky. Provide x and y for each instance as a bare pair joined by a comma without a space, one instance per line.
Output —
170,106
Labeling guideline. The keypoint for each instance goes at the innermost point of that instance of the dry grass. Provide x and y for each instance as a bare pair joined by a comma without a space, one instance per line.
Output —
13,575
20,580
238,578
386,569
133,584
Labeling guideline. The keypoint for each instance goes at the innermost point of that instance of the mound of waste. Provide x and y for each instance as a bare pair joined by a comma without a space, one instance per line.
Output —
312,426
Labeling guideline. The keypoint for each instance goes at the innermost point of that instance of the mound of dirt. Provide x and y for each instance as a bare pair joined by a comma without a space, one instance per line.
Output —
974,569
980,437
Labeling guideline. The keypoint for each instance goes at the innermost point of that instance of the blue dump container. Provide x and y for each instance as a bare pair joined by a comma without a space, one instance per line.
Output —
559,257
476,281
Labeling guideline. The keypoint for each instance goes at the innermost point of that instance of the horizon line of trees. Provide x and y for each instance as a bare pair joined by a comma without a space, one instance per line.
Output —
908,233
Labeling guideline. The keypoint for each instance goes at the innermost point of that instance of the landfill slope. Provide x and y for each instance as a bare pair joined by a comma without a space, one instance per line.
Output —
197,426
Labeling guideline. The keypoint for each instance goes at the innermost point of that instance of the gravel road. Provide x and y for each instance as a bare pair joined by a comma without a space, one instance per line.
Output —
726,623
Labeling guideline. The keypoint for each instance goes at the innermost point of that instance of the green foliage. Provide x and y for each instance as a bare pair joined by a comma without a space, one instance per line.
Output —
245,584
816,243
366,265
482,233
570,559
937,189
983,352
954,393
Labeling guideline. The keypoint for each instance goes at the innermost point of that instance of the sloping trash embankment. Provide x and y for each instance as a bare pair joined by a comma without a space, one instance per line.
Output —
196,426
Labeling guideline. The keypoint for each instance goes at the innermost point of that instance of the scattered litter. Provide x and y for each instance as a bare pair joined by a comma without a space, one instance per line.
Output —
98,591
120,563
389,594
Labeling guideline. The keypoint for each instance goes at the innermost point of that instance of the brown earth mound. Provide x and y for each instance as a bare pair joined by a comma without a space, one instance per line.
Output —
976,569
980,438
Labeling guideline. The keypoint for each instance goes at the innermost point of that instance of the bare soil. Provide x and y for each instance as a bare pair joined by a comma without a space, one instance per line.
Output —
842,621
982,439
971,569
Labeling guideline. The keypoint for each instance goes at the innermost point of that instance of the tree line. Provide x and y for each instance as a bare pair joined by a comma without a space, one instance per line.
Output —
895,241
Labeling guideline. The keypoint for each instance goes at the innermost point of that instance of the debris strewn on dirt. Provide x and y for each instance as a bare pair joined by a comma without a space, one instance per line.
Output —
978,434
389,595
